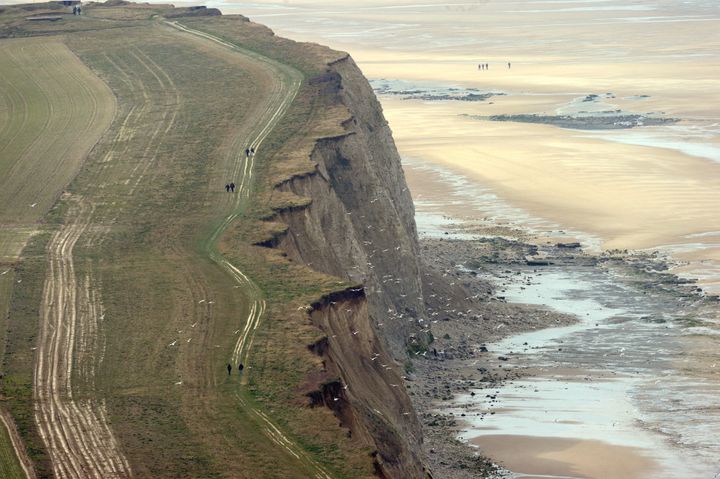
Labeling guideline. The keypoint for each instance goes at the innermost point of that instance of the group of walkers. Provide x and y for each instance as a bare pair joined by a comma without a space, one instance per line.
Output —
77,10
230,187
486,66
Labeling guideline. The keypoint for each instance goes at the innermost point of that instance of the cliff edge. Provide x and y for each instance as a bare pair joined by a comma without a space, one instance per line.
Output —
333,199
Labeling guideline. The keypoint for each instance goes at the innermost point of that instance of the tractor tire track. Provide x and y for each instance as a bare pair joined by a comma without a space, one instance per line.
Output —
76,432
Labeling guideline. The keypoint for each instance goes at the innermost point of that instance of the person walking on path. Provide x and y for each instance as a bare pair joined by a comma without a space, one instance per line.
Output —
229,368
227,187
232,187
241,367
508,65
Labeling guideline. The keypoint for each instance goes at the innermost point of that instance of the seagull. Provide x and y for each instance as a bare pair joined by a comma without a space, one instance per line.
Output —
355,332
173,343
33,205
195,324
201,301
178,383
5,272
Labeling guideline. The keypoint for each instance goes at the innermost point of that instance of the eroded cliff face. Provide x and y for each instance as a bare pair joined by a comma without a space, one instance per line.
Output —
360,225
349,214
363,387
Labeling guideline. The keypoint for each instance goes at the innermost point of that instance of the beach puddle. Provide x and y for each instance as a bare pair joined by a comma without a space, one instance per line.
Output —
623,393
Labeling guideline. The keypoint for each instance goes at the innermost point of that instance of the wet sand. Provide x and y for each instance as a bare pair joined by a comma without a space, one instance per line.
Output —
631,196
543,457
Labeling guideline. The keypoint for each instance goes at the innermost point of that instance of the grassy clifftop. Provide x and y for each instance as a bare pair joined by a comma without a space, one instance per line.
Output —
157,319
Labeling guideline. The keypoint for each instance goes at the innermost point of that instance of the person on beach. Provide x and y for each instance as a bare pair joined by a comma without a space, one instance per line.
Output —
487,66
508,65
227,187
247,152
229,368
241,367
252,151
232,187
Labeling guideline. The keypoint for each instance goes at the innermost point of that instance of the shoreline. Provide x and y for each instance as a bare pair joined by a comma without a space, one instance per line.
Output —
464,364
453,193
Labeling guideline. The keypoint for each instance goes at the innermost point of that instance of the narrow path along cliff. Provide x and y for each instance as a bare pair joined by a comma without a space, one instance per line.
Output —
284,92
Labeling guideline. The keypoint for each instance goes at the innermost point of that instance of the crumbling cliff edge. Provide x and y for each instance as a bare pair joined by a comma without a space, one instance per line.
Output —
357,223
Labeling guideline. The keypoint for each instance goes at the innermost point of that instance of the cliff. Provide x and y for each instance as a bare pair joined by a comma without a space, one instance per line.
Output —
357,223
333,199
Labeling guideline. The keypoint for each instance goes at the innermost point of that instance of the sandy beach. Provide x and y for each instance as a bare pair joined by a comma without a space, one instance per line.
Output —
565,458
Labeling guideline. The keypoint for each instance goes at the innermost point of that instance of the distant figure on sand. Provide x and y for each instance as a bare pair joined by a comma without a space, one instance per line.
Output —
241,367
247,152
227,187
487,66
229,368
252,150
508,65
232,187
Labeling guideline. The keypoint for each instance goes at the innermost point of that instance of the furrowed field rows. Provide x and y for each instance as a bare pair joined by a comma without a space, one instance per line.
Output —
55,111
76,432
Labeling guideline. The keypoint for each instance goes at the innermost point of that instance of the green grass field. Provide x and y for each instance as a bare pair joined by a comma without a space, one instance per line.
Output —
133,259
53,111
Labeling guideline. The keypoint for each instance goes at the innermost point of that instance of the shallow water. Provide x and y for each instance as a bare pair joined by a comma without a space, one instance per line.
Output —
619,376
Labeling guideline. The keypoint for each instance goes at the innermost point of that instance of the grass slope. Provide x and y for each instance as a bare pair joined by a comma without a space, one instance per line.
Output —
53,111
167,315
